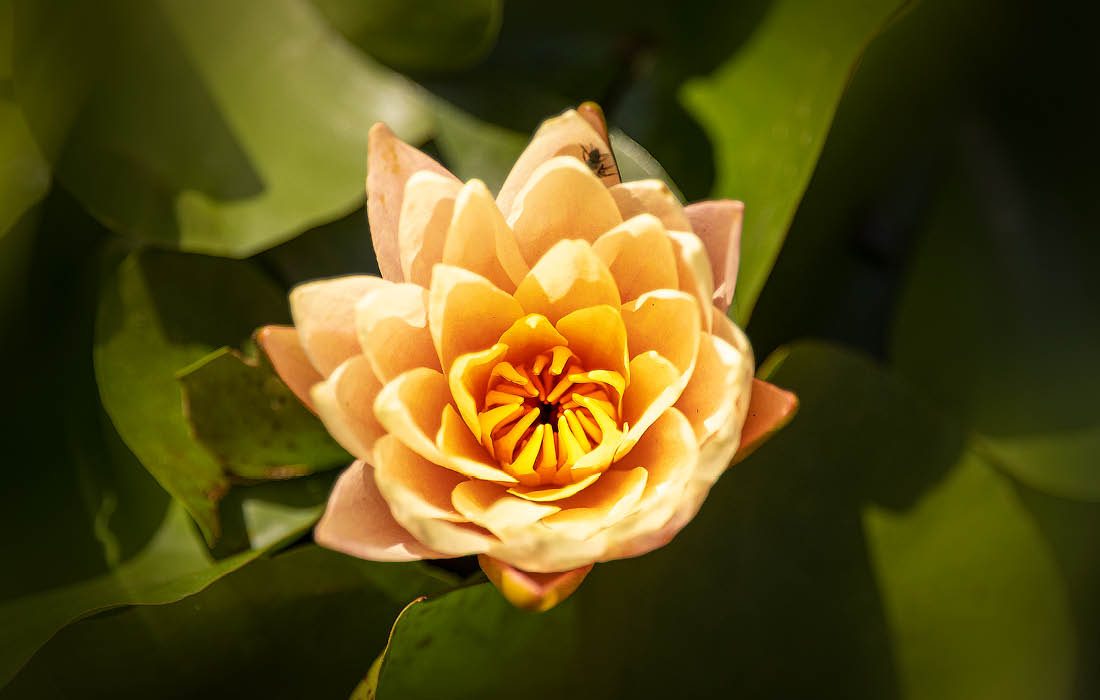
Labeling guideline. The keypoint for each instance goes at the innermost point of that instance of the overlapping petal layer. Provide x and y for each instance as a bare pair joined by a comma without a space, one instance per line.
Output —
547,380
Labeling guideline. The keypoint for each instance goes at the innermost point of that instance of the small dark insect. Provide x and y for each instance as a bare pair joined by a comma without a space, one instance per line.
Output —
603,164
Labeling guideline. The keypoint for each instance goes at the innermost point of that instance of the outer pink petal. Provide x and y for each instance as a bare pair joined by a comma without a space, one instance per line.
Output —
284,349
531,591
390,164
770,408
718,224
358,522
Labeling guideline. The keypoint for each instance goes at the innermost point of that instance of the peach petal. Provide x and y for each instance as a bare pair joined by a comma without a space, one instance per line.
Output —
422,227
639,255
770,408
410,408
419,495
532,591
562,199
530,336
288,358
390,164
564,135
480,240
650,197
324,314
669,454
569,277
666,321
598,337
492,507
718,224
544,494
467,380
712,399
593,114
392,325
693,271
608,501
345,404
357,521
466,313
655,385
464,454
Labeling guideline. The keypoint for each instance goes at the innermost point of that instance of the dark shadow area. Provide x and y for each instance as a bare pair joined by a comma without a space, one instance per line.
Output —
769,592
632,58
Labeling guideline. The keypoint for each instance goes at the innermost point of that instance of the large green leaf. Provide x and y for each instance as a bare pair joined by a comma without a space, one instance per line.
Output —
24,180
302,624
251,422
158,313
215,127
437,36
997,322
864,552
767,111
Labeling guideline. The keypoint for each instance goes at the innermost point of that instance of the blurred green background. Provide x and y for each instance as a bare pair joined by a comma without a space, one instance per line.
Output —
922,175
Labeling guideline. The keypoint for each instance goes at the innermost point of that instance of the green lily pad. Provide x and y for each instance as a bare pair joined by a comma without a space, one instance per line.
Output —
767,110
221,128
864,552
251,421
159,312
301,624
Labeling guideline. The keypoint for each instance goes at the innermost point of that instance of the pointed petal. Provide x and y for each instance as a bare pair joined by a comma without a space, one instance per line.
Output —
569,277
532,591
466,313
669,455
345,404
288,358
612,498
544,494
597,335
419,495
415,408
390,164
568,134
666,321
655,385
493,508
716,399
480,240
639,255
426,214
650,197
324,313
693,271
357,521
718,224
392,325
562,200
770,408
593,114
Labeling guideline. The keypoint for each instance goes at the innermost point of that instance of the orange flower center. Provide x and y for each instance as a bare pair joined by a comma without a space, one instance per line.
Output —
550,421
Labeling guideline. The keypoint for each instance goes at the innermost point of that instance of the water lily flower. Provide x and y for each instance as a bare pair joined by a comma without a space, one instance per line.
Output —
546,378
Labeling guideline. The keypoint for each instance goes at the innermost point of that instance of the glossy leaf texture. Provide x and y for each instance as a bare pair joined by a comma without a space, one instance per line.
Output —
88,528
767,111
842,559
301,624
221,128
251,422
147,329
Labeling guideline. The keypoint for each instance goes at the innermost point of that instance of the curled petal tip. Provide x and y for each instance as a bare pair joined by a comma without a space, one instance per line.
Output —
770,409
593,114
532,591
